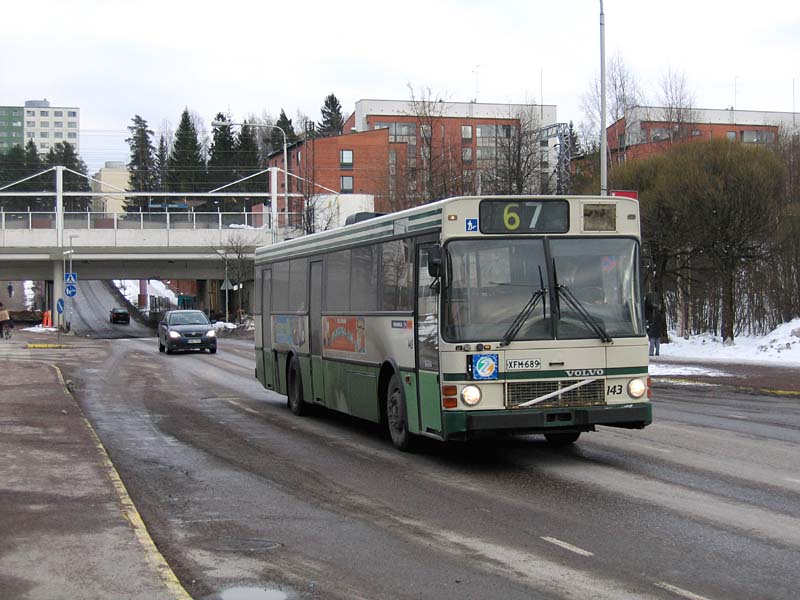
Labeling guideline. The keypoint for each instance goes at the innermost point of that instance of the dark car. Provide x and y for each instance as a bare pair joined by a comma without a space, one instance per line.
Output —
120,315
186,330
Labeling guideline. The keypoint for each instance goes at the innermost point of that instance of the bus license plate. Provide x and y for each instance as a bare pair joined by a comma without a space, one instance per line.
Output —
523,364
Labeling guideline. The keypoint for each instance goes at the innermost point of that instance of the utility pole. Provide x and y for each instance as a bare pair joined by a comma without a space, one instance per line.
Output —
603,141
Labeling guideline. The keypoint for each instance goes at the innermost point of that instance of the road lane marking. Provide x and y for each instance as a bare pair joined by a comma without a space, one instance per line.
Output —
679,591
739,417
792,479
567,546
243,407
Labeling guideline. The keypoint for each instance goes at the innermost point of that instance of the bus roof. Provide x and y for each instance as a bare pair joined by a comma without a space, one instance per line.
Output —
419,219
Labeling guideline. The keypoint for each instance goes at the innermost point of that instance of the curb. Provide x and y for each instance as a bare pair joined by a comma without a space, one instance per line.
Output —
152,554
738,388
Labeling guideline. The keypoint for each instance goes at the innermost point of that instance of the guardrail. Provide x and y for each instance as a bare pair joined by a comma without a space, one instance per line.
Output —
136,220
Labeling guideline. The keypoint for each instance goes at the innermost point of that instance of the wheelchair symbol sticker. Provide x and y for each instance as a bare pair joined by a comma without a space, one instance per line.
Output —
472,225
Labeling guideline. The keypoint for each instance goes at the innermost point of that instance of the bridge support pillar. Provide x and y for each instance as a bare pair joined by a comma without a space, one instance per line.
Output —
58,291
202,295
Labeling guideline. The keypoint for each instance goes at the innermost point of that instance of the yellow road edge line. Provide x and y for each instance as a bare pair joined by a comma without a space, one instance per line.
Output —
152,554
29,346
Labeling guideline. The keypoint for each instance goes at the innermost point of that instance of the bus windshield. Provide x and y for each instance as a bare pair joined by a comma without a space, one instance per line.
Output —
489,281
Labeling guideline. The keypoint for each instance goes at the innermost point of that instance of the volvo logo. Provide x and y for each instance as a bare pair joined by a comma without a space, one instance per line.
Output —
585,372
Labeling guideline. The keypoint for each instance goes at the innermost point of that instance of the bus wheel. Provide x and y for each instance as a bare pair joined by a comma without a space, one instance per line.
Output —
295,396
396,416
559,440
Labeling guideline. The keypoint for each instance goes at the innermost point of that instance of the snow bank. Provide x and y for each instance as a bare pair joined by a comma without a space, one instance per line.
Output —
781,346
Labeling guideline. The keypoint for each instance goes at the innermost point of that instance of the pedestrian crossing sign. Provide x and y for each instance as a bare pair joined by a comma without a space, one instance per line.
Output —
70,278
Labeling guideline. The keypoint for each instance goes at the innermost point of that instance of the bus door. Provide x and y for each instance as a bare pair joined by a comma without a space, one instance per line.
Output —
269,363
315,331
427,346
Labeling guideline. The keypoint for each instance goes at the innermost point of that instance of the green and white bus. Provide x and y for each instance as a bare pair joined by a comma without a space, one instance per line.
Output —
467,316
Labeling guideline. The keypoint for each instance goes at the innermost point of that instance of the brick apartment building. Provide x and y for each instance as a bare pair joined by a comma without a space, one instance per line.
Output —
647,130
386,145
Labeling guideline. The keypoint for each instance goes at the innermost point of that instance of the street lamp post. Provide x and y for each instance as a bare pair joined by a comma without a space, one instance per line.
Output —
285,164
226,283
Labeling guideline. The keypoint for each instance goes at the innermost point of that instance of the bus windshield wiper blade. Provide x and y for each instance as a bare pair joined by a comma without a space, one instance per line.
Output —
590,321
522,316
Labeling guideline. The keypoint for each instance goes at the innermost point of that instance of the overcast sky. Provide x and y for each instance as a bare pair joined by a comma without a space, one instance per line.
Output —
115,59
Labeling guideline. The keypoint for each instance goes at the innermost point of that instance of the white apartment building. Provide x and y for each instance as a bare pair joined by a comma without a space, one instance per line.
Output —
48,125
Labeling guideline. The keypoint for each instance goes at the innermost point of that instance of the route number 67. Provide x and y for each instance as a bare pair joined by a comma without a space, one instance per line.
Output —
512,220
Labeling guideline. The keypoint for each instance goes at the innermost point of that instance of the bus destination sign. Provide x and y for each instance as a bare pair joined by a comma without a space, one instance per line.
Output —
524,216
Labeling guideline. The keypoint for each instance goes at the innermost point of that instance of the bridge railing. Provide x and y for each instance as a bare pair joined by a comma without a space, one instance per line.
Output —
133,220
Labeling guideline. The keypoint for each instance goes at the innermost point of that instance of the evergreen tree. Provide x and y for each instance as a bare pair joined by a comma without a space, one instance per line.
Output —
285,123
186,167
162,156
574,142
12,168
247,162
222,156
64,154
141,165
332,121
33,165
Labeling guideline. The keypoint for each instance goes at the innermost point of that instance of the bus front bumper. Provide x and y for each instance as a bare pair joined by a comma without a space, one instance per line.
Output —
464,424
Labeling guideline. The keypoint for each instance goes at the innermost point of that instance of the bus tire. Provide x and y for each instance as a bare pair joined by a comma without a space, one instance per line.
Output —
560,440
397,416
295,392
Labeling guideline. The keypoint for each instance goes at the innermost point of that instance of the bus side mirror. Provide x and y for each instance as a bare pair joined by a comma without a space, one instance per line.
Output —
434,261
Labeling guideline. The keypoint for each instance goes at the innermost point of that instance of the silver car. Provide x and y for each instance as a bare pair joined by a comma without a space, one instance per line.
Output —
186,330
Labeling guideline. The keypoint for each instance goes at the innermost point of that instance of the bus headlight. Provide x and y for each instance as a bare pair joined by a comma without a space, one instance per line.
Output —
637,388
471,395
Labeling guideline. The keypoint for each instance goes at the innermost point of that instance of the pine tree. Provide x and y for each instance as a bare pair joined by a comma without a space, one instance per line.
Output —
161,158
222,155
64,154
285,123
12,168
332,121
247,161
141,165
186,167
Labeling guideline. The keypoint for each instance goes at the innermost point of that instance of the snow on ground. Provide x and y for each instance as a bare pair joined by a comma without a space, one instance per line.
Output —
130,289
780,347
30,295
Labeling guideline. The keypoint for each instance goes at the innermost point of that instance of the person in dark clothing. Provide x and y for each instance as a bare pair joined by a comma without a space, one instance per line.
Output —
654,326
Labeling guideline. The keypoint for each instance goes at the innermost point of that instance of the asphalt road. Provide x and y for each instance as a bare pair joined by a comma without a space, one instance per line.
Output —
239,493
88,313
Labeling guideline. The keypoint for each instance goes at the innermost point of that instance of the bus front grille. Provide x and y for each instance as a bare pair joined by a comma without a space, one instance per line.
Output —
591,394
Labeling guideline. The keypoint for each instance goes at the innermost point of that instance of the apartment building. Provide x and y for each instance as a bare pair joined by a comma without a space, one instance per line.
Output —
647,130
387,147
48,125
12,131
113,177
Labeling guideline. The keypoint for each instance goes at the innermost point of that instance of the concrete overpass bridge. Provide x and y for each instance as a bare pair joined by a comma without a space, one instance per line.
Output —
127,245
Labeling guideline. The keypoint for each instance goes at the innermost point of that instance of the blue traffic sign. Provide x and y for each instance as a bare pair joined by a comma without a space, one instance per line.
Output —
70,290
70,278
60,305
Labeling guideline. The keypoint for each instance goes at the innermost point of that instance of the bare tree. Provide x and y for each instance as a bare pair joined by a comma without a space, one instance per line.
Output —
440,159
522,156
678,102
623,94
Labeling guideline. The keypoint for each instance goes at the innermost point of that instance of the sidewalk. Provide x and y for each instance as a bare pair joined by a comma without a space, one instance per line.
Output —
67,526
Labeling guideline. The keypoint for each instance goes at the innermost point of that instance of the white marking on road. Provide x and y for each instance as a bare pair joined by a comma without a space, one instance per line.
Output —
567,546
739,417
792,479
679,591
243,407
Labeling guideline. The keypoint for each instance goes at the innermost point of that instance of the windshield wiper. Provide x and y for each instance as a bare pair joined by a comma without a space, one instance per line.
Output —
571,301
537,296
